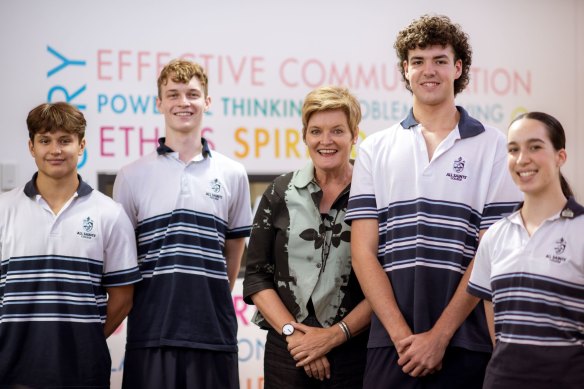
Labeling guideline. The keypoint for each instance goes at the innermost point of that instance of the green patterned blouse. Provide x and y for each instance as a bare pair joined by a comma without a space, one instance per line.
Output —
300,253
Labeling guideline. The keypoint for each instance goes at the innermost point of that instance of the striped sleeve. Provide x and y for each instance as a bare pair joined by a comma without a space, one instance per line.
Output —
239,223
479,284
362,201
120,257
503,195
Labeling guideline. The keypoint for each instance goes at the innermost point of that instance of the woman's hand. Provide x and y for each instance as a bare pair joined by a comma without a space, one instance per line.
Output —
318,369
314,344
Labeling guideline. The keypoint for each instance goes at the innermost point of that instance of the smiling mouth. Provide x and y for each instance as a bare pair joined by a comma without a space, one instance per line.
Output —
326,152
527,174
185,114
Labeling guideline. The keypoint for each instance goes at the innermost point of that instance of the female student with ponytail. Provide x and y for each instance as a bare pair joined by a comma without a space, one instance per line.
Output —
531,265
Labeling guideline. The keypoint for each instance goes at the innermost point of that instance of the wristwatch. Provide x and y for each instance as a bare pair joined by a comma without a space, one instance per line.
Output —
287,329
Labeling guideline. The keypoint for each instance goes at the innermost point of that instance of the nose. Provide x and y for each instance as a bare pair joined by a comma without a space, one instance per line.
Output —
429,68
326,138
184,100
522,157
55,148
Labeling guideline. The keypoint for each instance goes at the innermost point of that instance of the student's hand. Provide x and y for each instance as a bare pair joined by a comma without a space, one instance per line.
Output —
315,343
398,335
423,353
319,369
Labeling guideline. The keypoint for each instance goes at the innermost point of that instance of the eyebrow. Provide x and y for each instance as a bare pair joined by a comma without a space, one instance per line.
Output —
441,56
530,140
187,91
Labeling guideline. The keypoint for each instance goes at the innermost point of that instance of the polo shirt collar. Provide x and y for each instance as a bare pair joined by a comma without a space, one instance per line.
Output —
571,210
467,125
30,189
164,149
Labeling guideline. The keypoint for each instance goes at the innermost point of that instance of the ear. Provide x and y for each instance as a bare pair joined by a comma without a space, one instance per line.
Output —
561,157
405,66
158,102
458,66
207,103
31,148
81,147
356,137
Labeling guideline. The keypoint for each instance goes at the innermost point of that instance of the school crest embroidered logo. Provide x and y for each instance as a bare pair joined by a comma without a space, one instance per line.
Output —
458,167
559,249
560,246
215,187
87,224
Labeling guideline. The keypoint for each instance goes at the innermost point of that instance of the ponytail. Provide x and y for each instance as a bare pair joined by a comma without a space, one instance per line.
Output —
566,190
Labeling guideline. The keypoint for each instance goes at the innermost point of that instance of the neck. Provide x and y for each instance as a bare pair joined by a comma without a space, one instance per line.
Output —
186,144
541,206
340,176
439,118
56,192
332,183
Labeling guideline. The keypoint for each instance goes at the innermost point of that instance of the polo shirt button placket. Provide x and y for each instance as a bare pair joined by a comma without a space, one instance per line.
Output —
184,184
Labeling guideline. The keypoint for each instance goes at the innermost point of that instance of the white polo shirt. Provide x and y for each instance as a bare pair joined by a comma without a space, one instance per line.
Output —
430,213
183,212
54,273
537,286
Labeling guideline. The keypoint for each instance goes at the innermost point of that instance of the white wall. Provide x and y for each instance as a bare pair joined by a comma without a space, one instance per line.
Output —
528,54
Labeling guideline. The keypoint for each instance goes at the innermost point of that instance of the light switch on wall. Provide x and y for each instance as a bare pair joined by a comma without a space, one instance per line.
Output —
8,176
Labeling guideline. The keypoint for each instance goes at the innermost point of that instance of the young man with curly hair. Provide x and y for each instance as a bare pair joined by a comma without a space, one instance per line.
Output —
423,192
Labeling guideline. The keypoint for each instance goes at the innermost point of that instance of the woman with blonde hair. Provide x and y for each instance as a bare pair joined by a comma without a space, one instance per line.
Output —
298,271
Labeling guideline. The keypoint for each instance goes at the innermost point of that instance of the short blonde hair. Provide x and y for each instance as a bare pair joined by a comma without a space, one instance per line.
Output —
328,98
182,70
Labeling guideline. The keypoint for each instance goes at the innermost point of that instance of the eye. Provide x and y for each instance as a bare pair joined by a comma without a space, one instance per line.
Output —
512,150
315,131
535,147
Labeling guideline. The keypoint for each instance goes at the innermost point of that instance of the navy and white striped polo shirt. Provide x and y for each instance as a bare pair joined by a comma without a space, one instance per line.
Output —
183,213
54,273
430,213
537,286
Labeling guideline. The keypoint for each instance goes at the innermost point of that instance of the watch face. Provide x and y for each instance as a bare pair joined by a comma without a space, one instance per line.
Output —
288,329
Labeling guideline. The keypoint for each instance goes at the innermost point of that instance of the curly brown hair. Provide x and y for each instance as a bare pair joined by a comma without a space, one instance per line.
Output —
430,30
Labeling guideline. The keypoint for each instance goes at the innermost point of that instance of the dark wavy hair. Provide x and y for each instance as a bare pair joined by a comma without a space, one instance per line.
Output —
556,134
430,30
50,117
